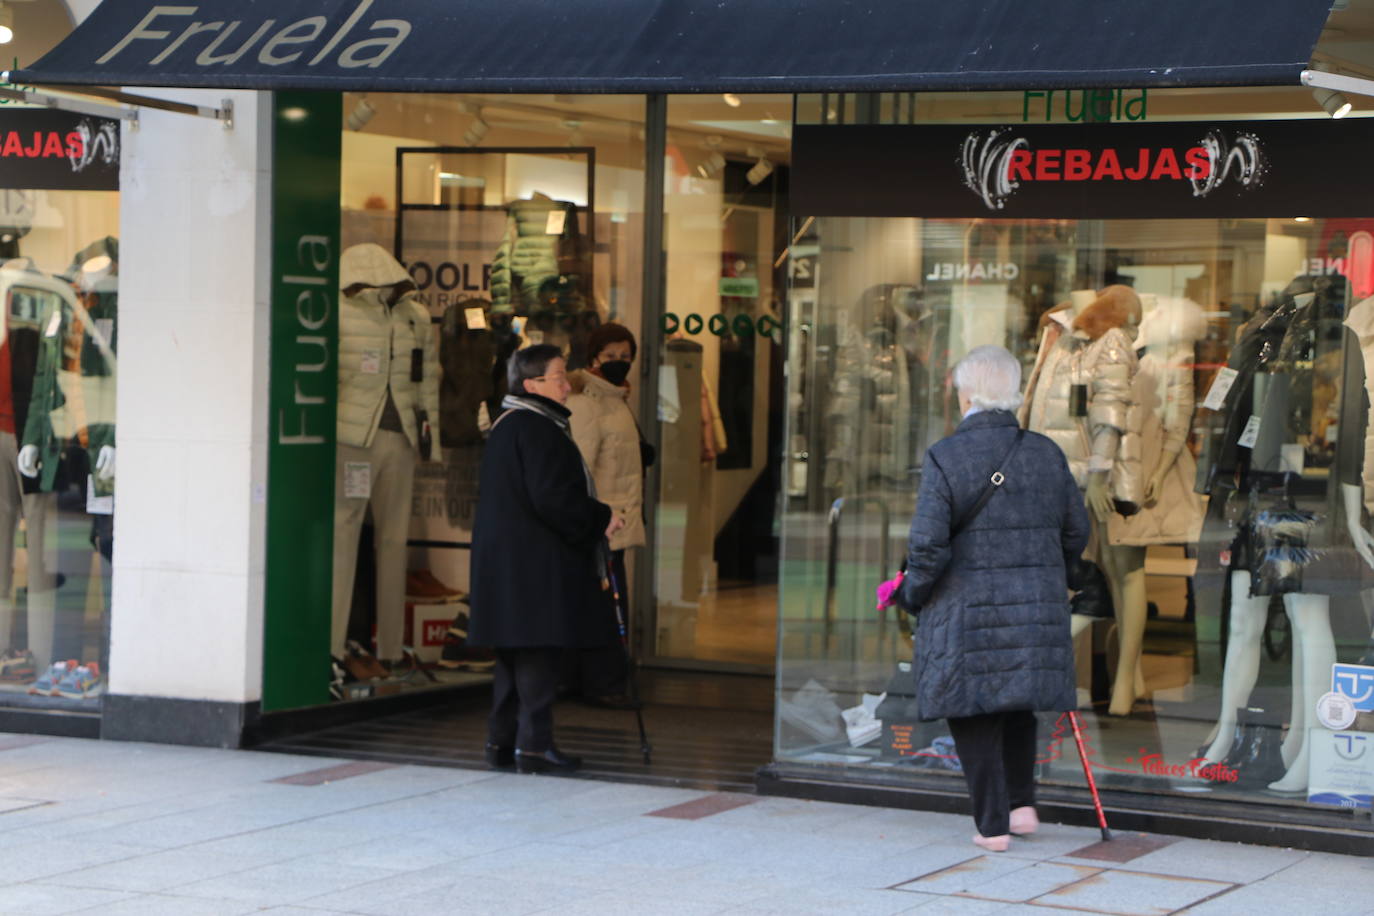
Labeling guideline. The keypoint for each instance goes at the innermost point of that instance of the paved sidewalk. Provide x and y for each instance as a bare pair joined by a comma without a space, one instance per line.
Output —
108,828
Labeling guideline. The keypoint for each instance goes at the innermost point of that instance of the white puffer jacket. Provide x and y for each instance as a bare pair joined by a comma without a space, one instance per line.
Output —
606,434
375,345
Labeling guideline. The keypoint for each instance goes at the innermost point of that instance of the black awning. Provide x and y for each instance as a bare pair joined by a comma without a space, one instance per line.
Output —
685,45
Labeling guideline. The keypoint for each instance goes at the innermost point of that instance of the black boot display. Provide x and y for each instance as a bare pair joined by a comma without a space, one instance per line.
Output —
1256,755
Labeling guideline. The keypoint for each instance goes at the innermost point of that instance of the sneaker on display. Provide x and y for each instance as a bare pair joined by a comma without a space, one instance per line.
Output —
362,664
46,685
455,653
17,667
81,682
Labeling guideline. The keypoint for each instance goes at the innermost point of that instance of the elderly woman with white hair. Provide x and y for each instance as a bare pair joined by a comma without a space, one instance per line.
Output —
997,519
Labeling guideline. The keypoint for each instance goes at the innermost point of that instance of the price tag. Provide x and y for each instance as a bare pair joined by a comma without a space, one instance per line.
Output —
54,323
557,220
1221,386
476,317
1250,435
372,361
357,480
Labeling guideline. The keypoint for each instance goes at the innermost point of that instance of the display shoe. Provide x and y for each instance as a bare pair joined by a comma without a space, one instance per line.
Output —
1024,821
362,664
18,667
436,584
993,843
1260,762
500,756
46,685
551,761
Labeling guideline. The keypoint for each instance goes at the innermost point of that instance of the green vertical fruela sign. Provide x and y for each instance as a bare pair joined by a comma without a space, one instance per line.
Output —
303,395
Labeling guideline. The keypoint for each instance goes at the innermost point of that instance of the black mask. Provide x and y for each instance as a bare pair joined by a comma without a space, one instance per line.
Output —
615,371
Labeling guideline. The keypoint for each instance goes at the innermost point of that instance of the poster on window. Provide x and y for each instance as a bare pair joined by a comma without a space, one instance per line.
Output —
54,150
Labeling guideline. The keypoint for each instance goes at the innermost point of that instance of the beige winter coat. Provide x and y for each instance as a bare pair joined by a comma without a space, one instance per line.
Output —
605,432
1096,352
375,344
1159,420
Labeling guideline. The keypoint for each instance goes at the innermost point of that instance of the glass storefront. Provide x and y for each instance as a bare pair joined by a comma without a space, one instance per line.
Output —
1236,571
59,270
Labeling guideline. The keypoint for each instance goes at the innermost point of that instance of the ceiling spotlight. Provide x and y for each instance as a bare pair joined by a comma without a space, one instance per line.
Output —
1302,219
711,165
1335,103
759,171
360,115
476,131
6,24
732,100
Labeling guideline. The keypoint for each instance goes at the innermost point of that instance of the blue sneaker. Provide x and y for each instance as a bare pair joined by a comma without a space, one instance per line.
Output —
46,685
81,682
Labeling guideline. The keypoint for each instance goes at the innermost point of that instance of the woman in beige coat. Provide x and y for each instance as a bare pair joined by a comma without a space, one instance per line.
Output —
606,433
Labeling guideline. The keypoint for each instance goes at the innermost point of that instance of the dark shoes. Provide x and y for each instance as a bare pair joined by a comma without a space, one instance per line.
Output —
551,761
500,758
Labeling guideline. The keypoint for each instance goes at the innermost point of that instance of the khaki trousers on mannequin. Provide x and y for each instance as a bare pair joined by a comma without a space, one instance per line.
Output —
36,509
391,460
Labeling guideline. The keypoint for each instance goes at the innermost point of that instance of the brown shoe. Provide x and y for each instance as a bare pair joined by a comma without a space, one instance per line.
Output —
434,584
362,664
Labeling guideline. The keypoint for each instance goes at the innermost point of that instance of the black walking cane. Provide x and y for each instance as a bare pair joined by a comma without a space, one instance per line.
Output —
631,679
1088,772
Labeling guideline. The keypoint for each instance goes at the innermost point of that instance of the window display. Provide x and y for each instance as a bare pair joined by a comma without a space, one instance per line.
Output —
1207,379
59,269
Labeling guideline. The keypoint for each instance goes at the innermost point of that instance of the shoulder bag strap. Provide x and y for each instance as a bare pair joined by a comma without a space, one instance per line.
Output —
994,481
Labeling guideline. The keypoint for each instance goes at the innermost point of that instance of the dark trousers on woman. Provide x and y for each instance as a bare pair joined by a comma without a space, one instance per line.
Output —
997,751
524,686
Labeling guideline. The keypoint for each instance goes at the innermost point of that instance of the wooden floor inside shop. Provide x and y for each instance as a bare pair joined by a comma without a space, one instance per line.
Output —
708,731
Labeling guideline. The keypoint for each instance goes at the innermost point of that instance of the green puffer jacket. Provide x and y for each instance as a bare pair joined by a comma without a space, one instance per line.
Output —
530,254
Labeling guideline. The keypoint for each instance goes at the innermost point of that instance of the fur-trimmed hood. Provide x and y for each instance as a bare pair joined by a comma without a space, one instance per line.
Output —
1114,307
1174,322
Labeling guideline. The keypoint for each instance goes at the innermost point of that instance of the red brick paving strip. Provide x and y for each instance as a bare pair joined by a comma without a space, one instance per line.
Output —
334,773
1122,848
705,806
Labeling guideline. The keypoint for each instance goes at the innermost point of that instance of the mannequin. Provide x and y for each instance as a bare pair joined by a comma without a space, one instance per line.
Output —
388,416
1272,352
1160,417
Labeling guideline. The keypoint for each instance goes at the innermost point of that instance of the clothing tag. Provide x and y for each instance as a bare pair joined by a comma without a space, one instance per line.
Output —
1250,435
53,323
477,319
97,505
557,220
1221,386
1078,400
372,361
357,480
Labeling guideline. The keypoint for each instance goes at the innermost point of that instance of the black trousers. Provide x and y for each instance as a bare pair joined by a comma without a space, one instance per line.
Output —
602,671
997,751
524,686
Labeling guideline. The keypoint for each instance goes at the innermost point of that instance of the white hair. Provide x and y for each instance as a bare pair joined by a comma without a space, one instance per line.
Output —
990,377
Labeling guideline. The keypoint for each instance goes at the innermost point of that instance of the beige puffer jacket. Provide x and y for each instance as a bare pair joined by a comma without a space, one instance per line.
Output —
1160,418
605,432
1097,352
375,344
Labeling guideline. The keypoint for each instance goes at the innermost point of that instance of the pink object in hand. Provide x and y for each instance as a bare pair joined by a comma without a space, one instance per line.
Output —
886,591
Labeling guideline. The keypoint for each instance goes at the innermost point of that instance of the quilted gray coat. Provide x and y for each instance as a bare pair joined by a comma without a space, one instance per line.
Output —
993,632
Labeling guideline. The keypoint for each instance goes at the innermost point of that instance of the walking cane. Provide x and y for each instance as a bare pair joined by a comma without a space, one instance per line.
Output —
1088,772
631,680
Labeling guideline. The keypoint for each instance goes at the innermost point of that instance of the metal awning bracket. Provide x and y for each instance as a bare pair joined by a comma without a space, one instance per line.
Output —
1321,79
113,103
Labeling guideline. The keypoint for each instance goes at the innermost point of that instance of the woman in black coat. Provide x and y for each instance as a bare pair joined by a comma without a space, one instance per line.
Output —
993,644
539,559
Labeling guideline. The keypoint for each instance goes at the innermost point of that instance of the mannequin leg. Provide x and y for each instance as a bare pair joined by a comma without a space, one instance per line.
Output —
10,506
391,491
1311,618
1242,660
1297,710
348,527
40,514
1125,566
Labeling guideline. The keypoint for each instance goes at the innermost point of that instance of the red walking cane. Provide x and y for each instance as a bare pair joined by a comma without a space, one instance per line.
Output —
1088,772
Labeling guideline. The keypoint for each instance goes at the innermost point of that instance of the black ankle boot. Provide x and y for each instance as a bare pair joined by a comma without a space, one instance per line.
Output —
551,761
1260,761
500,757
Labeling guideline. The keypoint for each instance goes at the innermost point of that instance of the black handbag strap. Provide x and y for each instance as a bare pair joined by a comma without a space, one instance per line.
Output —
994,482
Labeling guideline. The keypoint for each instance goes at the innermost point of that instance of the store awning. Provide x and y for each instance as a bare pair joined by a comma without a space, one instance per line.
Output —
684,45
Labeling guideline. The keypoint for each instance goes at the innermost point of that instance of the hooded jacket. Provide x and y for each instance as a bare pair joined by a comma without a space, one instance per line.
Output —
1160,419
376,342
1095,351
608,438
530,254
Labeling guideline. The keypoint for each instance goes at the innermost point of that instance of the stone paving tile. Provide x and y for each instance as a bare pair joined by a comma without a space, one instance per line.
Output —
41,900
957,906
1028,883
290,882
966,876
470,895
169,905
620,904
1325,869
1271,897
157,871
44,858
838,903
1129,893
1231,862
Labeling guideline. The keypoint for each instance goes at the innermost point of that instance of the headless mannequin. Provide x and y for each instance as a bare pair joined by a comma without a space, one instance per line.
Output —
1314,652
